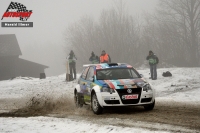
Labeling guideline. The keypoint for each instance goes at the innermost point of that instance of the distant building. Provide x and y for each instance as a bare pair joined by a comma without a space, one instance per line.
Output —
11,65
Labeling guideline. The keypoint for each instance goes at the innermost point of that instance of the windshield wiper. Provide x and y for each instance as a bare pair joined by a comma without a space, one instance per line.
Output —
125,84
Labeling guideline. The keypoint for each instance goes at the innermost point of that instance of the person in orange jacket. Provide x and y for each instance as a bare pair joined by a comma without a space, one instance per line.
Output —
104,58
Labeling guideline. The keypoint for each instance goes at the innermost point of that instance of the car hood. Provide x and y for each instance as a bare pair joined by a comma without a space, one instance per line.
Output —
121,83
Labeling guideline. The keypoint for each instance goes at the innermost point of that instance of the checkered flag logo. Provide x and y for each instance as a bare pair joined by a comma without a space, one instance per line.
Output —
19,8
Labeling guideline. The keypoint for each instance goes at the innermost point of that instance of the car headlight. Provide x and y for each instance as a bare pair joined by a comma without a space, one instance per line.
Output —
141,84
106,89
147,87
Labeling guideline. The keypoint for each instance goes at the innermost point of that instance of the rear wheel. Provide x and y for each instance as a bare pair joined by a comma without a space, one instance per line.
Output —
97,109
149,106
77,100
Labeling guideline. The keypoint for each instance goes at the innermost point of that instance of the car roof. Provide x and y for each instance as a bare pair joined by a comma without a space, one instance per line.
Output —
109,65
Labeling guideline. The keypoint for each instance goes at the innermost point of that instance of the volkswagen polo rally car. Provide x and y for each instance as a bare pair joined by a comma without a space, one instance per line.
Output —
114,84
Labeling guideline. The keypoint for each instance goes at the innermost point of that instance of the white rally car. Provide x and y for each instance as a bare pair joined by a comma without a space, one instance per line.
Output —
114,84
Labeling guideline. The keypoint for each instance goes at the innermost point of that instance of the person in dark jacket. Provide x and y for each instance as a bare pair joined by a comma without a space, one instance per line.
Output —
72,63
104,58
153,61
93,58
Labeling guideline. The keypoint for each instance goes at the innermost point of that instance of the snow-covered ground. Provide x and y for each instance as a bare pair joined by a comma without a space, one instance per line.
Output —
63,125
182,87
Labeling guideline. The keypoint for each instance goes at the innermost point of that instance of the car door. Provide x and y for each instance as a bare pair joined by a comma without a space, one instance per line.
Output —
90,81
84,84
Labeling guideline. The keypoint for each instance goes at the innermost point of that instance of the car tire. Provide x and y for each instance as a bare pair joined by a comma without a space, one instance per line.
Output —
149,106
77,100
96,108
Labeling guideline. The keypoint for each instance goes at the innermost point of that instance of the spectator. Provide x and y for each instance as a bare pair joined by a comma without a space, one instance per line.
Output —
153,61
104,58
93,58
72,64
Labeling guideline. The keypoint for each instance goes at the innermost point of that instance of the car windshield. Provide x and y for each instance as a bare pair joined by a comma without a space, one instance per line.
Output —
117,73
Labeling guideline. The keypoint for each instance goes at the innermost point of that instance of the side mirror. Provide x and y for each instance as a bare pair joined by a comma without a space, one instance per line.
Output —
142,75
91,78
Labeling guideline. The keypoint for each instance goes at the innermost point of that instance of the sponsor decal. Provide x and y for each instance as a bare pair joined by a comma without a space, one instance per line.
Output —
126,97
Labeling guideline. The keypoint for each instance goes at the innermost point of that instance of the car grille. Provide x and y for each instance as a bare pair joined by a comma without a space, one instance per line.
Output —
112,101
122,92
145,100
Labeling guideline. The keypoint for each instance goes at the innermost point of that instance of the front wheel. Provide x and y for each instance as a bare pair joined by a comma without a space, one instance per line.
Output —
149,106
97,109
77,100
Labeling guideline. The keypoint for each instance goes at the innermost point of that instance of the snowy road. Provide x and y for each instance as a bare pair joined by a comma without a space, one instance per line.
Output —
177,107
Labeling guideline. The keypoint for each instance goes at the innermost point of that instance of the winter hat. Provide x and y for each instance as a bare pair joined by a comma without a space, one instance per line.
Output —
150,52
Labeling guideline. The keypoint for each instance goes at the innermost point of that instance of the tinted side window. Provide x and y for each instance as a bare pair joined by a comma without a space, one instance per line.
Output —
84,73
90,73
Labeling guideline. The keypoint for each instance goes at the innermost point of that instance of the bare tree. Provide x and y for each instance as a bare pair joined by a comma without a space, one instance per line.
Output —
183,18
116,32
173,32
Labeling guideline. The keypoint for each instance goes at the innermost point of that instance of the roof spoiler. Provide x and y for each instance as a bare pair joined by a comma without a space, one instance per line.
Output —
122,64
110,64
117,64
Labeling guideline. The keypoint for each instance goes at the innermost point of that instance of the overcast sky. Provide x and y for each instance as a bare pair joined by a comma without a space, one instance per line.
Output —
50,19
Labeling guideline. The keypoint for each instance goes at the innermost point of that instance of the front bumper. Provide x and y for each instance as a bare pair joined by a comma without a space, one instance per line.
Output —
115,99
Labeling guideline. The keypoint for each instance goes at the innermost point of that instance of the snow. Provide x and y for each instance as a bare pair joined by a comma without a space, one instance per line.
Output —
53,125
183,86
